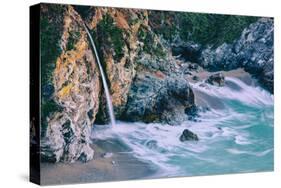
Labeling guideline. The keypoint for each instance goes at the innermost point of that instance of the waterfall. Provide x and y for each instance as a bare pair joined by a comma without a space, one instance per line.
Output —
105,86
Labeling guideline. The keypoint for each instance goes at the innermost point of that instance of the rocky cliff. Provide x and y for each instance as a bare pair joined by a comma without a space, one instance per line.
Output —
130,52
76,83
253,50
148,80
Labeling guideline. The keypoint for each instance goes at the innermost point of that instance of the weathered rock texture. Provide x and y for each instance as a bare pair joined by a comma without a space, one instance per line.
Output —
187,135
76,90
116,33
126,43
216,79
122,37
155,98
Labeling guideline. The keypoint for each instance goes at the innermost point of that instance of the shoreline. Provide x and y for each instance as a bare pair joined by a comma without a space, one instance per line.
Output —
239,73
114,161
122,165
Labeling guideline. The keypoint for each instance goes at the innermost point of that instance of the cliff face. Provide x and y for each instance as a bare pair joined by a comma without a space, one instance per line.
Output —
116,35
76,90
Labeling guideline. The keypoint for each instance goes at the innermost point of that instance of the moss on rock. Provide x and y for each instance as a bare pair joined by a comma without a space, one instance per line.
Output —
111,36
150,44
51,28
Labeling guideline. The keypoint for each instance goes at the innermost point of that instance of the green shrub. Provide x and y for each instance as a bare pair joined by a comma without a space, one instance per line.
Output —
212,29
206,29
51,28
150,46
72,40
109,35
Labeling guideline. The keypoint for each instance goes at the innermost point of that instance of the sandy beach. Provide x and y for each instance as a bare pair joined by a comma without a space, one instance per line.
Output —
117,165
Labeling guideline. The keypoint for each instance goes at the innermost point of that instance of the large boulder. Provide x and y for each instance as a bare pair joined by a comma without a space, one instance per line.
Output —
154,99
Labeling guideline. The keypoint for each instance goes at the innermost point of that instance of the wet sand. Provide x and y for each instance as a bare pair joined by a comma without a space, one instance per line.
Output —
122,165
236,73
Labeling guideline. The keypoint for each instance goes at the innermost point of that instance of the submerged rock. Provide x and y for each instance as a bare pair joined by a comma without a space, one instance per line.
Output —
113,163
187,135
216,79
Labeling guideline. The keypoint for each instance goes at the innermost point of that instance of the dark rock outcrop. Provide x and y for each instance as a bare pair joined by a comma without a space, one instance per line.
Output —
187,51
187,135
216,79
253,51
154,99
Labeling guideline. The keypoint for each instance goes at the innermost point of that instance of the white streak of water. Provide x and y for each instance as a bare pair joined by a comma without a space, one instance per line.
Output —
105,86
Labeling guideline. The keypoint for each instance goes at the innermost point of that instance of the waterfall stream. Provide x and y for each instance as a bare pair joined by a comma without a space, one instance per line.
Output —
105,86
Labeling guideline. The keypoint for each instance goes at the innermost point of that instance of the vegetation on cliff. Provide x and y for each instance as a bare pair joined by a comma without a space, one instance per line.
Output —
206,29
51,27
111,36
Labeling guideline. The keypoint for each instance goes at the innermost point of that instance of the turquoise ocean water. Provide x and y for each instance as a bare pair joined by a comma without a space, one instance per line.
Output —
235,138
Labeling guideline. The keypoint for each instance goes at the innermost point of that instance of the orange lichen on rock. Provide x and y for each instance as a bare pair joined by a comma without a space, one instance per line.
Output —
65,35
67,58
77,90
120,71
65,90
120,20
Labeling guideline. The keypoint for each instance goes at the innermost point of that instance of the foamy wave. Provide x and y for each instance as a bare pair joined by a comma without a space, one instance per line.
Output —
247,94
258,154
217,129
